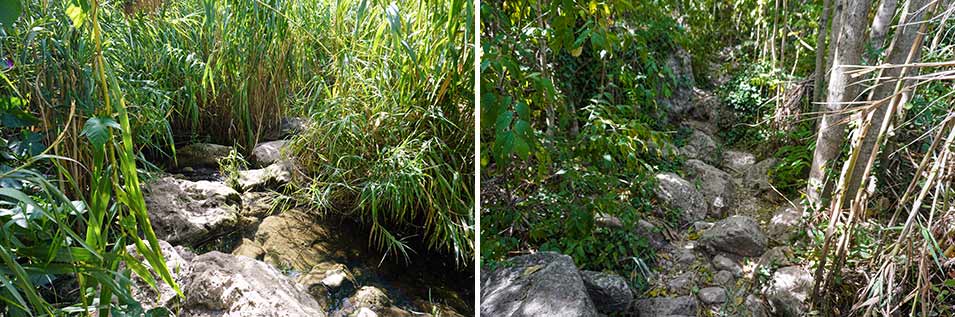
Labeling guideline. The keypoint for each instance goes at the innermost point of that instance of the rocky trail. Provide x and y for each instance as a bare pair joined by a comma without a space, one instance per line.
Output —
250,250
730,254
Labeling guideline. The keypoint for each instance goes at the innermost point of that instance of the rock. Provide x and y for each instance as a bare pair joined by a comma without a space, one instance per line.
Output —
667,306
676,192
738,235
177,261
716,186
785,223
186,212
609,292
370,297
757,176
788,290
702,225
721,262
679,102
650,232
712,295
682,284
297,240
708,108
249,248
702,147
225,285
541,284
724,278
737,161
602,220
775,257
259,205
201,155
365,312
271,177
756,306
685,256
268,153
292,126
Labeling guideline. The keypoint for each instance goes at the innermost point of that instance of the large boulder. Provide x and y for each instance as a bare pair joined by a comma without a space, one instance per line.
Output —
702,147
218,284
667,306
738,235
609,292
788,291
712,295
187,212
716,186
542,284
225,285
757,176
785,223
676,192
201,155
296,239
738,161
680,101
268,153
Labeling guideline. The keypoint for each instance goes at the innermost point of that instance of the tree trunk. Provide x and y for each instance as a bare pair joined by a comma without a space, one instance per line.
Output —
848,51
880,25
904,49
821,53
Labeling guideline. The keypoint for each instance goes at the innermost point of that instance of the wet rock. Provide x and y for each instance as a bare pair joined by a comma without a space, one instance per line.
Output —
370,297
721,262
268,153
724,278
712,295
249,248
785,223
702,147
756,306
676,192
609,292
716,186
271,177
225,285
738,161
201,155
667,306
186,212
541,284
738,235
652,233
788,290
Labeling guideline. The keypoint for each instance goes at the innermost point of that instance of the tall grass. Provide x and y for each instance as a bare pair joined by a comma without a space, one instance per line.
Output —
392,117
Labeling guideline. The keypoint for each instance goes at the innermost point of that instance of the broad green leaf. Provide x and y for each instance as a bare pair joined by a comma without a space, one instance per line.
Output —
10,10
77,11
96,129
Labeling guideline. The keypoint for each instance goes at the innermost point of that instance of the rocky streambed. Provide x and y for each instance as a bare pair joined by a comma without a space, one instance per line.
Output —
730,254
250,250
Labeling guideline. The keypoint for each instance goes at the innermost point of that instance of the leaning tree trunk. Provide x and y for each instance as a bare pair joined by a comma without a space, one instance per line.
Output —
880,25
848,51
904,49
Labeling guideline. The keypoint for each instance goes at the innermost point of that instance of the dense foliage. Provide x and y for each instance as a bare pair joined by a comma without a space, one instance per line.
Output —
96,95
572,128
